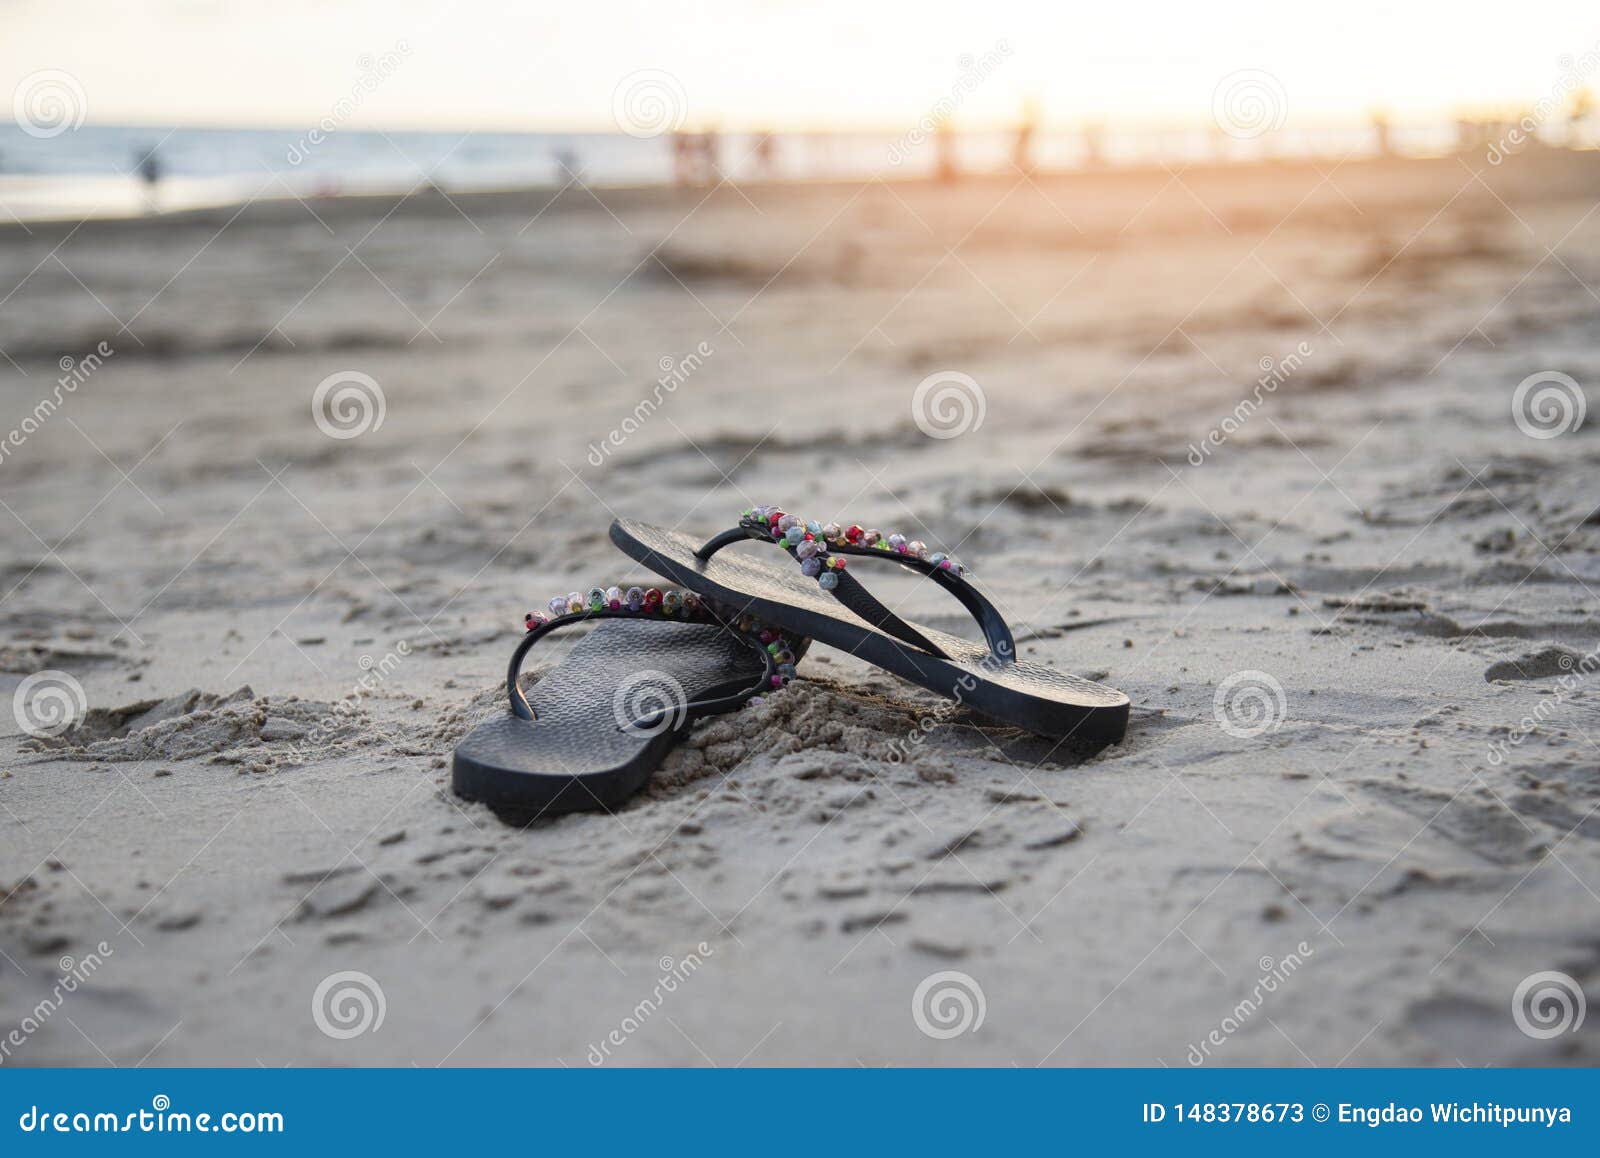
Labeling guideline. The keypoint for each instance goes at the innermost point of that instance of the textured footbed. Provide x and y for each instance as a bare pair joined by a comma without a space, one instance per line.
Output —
575,756
1029,695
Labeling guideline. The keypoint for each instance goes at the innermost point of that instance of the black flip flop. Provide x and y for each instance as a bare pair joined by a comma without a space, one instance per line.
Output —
595,727
824,602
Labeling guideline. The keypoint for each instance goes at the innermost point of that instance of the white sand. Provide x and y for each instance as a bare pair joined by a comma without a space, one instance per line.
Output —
1377,538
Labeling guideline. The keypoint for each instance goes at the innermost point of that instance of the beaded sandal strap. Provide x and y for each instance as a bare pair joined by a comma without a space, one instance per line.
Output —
779,652
820,548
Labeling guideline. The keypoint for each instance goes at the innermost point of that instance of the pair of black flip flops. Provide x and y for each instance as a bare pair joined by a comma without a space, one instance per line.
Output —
661,660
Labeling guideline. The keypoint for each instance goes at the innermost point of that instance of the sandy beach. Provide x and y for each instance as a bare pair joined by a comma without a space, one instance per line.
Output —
1245,442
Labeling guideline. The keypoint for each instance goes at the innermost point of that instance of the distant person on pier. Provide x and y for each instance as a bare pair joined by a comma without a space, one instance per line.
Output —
765,156
1022,148
1381,135
946,167
683,147
710,150
1577,116
1094,150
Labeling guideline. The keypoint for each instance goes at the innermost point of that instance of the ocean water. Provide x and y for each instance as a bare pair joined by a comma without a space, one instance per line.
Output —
92,170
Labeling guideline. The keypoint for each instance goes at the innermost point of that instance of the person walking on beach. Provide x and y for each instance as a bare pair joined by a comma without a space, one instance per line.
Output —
148,166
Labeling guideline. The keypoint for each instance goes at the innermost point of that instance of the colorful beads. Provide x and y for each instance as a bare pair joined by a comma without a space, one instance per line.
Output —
828,580
810,541
783,649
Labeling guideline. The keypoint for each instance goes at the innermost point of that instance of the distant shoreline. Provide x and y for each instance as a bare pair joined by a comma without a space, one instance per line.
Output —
284,203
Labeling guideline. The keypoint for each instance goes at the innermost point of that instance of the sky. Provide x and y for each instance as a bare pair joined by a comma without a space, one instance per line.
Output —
779,64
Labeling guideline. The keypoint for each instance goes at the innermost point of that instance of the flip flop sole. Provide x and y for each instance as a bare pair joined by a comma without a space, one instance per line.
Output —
1028,695
578,755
